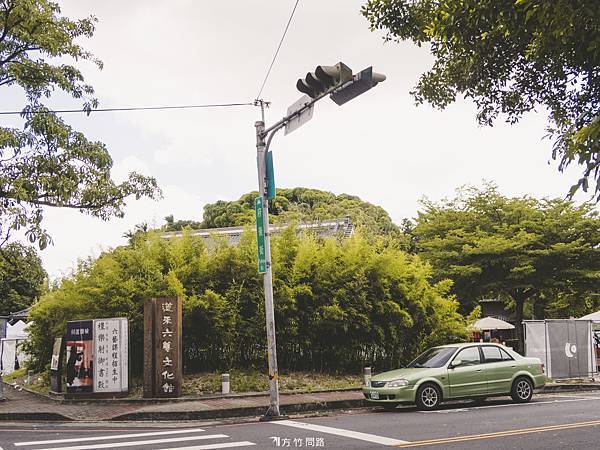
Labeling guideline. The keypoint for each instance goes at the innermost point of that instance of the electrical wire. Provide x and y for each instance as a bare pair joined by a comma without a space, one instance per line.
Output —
277,51
134,108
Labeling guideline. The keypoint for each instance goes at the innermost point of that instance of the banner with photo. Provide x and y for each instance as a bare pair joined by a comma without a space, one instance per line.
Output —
80,356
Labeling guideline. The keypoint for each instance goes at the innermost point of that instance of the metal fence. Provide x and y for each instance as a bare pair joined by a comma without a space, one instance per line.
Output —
567,347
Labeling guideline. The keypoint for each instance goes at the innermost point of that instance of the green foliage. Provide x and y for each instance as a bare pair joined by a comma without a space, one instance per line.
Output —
179,225
510,57
520,249
22,278
338,304
47,163
301,205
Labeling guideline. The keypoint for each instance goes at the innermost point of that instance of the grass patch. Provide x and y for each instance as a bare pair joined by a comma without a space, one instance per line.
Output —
41,381
255,381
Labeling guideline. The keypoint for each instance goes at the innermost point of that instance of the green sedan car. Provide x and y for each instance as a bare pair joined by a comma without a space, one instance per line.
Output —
458,371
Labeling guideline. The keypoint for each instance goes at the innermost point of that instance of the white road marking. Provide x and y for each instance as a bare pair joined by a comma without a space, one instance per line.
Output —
112,436
445,411
341,432
138,443
211,446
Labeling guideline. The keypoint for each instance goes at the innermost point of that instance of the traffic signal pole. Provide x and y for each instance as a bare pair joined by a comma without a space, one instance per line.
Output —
346,87
261,153
263,142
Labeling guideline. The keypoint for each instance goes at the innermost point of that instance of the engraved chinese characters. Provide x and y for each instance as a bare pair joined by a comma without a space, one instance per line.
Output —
162,347
111,345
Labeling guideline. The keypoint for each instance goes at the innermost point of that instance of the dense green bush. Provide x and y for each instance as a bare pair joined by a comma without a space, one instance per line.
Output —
338,303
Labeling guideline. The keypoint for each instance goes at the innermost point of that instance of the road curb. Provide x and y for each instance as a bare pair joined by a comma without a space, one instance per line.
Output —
236,412
34,417
570,387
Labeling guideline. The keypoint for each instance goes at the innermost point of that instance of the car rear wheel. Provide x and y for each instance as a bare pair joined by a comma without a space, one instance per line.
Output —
429,397
522,390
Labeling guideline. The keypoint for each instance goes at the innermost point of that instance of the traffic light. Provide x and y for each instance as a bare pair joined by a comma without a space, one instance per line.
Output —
323,79
361,83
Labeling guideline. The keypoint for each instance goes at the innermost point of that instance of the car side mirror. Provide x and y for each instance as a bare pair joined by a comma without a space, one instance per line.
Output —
455,363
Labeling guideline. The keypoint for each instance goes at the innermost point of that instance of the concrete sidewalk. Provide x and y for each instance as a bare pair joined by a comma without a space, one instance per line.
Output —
27,406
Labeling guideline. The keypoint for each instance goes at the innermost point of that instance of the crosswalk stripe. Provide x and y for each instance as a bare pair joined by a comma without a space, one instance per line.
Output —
112,436
136,443
341,432
213,446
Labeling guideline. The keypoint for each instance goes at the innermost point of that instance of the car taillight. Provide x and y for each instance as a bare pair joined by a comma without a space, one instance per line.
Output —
543,368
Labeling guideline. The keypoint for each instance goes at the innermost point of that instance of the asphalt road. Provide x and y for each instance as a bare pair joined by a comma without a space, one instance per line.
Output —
565,421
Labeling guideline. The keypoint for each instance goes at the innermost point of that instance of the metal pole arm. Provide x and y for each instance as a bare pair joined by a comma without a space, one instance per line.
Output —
277,125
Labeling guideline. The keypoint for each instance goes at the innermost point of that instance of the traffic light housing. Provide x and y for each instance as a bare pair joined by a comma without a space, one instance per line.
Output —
323,79
361,83
339,80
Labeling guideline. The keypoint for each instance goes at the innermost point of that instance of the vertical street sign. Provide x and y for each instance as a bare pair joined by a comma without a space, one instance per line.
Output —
260,234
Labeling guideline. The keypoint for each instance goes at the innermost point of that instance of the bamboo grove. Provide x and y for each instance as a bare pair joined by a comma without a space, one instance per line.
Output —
339,303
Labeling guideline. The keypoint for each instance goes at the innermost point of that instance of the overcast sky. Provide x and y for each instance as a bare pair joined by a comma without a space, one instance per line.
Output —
380,146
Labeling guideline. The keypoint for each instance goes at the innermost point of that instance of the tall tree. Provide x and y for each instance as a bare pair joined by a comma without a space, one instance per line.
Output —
510,57
22,277
47,163
516,248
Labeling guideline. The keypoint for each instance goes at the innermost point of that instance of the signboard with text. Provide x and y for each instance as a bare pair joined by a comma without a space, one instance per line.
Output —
162,347
111,368
97,356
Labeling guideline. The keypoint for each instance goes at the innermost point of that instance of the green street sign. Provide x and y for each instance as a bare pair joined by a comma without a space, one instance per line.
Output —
260,234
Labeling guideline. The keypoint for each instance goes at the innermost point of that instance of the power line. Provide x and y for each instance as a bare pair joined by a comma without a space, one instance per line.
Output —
133,108
277,51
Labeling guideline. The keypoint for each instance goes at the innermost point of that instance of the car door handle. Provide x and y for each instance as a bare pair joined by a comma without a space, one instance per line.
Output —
478,370
513,366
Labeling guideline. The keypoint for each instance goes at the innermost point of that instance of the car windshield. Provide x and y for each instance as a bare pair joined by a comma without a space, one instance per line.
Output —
434,357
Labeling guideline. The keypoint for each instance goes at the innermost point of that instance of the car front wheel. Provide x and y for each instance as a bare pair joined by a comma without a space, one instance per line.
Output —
522,390
429,397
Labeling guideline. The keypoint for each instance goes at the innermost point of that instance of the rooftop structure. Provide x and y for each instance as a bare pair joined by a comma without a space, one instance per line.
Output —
341,228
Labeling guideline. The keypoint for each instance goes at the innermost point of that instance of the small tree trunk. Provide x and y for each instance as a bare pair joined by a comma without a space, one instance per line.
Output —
538,310
519,303
520,296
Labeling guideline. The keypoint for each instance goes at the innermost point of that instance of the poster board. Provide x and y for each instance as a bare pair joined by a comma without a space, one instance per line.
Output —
80,356
97,356
111,352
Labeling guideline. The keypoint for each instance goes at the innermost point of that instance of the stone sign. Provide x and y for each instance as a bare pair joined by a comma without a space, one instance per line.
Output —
162,347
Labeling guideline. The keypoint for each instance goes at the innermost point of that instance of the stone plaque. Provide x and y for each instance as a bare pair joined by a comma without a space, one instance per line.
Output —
162,347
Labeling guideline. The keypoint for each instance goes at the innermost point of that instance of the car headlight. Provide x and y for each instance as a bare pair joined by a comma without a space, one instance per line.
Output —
397,383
